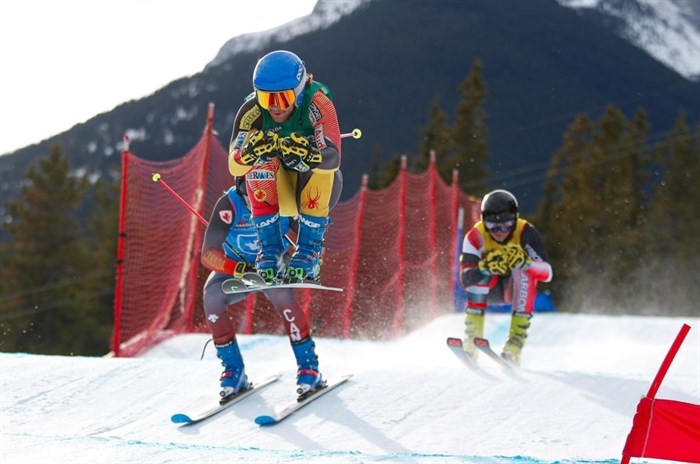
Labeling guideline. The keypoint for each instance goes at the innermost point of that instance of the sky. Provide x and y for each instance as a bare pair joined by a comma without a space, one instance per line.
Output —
66,61
410,400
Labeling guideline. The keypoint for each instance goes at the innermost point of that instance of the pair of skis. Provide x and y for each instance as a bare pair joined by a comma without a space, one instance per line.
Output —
455,345
264,420
252,282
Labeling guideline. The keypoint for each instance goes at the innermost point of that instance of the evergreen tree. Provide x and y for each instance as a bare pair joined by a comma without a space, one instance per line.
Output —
103,229
45,265
675,206
436,136
469,135
568,201
673,241
594,216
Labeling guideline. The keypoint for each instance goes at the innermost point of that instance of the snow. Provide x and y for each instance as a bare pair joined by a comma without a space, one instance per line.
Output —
325,14
410,400
668,30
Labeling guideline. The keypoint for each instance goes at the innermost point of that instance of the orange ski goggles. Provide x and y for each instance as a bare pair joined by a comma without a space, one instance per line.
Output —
282,99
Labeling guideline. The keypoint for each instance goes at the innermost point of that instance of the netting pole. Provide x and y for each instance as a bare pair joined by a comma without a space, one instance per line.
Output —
119,280
250,313
432,233
455,226
355,259
401,246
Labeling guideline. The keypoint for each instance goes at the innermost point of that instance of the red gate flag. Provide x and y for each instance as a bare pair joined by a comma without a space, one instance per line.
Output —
665,429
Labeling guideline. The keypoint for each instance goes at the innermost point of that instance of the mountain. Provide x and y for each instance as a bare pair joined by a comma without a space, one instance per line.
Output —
668,30
545,61
410,400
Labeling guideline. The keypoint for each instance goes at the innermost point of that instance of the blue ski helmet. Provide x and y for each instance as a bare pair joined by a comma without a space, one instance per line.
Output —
499,206
278,71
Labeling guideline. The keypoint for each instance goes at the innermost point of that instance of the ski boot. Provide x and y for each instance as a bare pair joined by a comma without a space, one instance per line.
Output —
309,379
474,327
519,323
233,379
269,262
306,261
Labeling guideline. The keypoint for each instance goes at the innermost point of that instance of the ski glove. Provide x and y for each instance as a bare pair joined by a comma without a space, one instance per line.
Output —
299,153
261,146
495,263
241,268
516,256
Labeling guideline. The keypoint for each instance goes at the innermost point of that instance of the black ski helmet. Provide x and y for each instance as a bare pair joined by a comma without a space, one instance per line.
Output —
499,206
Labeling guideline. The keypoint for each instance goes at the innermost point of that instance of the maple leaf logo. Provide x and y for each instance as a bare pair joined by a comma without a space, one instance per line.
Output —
226,216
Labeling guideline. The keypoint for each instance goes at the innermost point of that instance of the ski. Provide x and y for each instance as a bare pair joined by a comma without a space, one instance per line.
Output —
183,418
455,345
251,282
484,345
300,403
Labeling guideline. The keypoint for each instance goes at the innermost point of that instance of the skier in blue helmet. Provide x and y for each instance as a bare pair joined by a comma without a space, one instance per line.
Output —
286,142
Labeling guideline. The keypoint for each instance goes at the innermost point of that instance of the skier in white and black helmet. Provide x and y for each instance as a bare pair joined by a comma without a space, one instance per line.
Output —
503,258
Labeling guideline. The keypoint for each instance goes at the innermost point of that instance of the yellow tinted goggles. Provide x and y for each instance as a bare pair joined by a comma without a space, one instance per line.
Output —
282,100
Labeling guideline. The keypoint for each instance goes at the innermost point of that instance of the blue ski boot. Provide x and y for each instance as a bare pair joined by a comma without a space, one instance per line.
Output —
309,378
233,379
269,262
306,261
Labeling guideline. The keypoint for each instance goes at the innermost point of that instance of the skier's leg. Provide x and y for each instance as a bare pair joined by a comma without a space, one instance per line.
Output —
524,289
477,303
316,195
309,377
261,186
216,304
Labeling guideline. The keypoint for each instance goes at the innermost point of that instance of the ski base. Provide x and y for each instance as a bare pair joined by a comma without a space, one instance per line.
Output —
182,418
455,345
251,282
484,345
266,420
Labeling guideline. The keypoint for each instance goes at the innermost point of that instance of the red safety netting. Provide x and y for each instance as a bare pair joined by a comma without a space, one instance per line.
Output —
393,252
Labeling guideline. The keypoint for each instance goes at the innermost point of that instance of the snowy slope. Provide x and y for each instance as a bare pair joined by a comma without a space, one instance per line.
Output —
410,400
325,14
668,30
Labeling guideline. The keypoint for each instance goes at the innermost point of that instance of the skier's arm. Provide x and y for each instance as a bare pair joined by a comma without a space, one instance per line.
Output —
213,256
248,120
472,249
531,241
324,118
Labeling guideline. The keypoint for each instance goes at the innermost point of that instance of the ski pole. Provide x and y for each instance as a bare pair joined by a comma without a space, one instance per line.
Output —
355,134
157,178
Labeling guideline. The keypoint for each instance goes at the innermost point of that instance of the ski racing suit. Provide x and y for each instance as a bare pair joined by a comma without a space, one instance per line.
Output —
520,286
230,247
272,186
